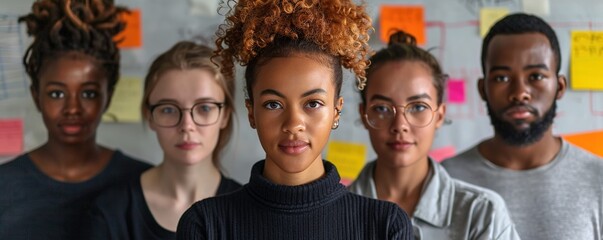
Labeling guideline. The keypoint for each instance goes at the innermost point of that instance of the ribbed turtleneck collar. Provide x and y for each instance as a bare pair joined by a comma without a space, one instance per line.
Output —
295,198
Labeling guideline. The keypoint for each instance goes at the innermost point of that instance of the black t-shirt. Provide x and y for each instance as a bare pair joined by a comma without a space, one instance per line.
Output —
322,209
122,213
35,206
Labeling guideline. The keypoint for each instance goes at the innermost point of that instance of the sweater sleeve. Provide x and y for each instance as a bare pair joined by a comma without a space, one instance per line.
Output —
399,225
192,225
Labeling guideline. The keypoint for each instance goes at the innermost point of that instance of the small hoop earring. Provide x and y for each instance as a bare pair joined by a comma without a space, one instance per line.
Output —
252,125
335,125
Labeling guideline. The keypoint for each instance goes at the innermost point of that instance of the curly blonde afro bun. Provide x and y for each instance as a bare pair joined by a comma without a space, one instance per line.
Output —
338,28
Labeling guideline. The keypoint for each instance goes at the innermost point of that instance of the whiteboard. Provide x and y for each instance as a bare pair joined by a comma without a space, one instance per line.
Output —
452,27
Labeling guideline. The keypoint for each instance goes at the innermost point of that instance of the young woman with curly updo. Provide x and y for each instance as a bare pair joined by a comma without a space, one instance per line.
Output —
294,52
73,63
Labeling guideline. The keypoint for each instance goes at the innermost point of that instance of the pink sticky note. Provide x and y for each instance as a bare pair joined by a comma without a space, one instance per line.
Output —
439,154
11,136
456,91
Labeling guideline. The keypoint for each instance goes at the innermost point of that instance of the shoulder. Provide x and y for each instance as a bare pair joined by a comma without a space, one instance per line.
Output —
478,196
364,182
395,220
464,157
15,169
227,185
127,163
118,197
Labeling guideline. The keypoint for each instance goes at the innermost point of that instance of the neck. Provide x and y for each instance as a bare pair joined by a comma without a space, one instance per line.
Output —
189,183
278,175
401,185
70,155
540,153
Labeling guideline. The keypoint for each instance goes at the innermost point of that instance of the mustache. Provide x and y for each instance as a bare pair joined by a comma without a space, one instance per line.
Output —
529,108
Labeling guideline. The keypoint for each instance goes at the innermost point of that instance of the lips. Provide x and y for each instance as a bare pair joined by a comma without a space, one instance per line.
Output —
519,112
400,145
187,145
293,147
71,128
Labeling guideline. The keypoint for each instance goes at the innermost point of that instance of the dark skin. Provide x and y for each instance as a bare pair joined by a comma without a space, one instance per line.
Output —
71,96
520,85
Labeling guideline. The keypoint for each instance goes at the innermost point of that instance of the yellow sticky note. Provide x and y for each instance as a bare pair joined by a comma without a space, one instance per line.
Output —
488,16
590,141
125,105
349,158
586,60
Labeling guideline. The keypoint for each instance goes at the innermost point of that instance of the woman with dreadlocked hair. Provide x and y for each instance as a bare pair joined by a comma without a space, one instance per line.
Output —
294,51
73,63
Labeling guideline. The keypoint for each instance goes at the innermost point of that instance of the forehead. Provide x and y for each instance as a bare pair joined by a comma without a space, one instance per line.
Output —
294,74
520,50
186,86
72,67
399,80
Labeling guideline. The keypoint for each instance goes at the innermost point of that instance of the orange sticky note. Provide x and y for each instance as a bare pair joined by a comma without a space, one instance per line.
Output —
440,154
590,141
11,136
131,36
407,18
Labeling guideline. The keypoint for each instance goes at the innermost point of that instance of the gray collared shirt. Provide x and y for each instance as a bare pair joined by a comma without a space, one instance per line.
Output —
450,208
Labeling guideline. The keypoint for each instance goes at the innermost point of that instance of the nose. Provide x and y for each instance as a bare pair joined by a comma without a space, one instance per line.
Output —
73,105
399,123
294,121
186,122
520,92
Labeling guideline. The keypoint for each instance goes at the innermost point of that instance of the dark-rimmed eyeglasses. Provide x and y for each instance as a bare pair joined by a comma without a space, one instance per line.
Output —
381,115
170,115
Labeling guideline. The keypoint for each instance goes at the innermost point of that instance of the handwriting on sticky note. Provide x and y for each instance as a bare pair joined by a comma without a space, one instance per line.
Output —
439,154
456,91
407,18
11,136
586,60
488,16
125,105
131,36
349,158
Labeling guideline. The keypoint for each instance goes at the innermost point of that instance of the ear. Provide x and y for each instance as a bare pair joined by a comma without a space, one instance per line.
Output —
35,96
225,118
440,115
362,111
338,108
481,88
561,86
250,115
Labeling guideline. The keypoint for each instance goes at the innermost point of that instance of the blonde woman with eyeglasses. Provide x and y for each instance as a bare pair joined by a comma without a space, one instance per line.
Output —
188,103
402,108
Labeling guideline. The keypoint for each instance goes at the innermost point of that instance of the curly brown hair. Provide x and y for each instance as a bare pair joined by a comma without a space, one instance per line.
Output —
257,30
86,26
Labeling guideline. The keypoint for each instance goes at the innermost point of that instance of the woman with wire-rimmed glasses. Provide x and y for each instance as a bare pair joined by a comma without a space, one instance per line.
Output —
188,103
402,108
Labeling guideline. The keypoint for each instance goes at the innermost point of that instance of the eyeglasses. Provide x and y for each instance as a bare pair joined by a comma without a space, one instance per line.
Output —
170,115
381,115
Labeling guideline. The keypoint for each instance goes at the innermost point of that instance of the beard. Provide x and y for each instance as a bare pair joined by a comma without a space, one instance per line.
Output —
523,137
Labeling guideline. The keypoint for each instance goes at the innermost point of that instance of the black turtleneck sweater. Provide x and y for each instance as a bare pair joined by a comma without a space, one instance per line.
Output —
322,209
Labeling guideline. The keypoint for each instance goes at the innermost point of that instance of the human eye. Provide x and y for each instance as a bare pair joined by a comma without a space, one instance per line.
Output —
204,108
89,94
500,78
537,76
381,108
56,94
417,107
272,105
167,109
314,104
